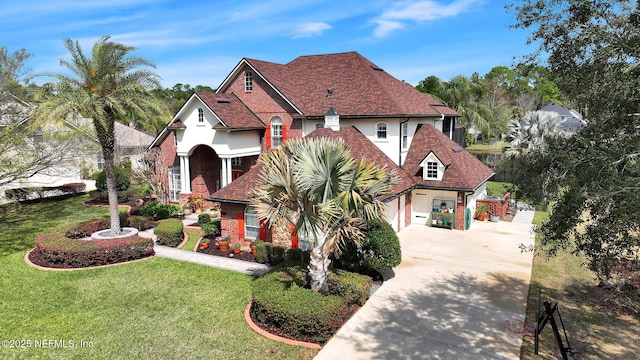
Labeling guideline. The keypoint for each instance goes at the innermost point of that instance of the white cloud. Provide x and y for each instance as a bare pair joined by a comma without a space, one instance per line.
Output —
310,29
416,11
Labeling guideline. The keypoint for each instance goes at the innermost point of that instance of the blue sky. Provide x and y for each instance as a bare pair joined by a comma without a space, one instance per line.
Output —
199,42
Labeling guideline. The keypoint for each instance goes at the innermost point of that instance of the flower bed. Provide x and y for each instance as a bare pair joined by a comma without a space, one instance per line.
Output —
61,248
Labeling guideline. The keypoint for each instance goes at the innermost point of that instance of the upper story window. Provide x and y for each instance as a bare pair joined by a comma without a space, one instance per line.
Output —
404,128
236,161
276,132
431,170
248,81
381,131
200,115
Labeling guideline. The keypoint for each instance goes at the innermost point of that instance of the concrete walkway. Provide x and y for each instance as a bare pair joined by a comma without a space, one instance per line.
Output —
245,267
449,298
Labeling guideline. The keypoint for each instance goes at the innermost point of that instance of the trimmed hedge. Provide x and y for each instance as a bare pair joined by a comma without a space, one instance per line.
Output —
211,229
169,232
160,211
142,222
204,218
281,299
60,249
122,180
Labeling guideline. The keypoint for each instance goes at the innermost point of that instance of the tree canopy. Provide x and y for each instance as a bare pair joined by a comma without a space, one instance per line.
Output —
593,178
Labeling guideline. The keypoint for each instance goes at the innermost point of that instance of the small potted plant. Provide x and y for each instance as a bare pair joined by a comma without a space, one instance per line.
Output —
223,243
195,202
204,243
481,211
235,248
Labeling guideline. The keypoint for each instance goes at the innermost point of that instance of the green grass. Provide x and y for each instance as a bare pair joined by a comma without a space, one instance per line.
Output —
194,236
152,309
594,332
487,148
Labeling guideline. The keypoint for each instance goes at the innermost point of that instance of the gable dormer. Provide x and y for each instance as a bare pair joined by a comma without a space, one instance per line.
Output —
432,167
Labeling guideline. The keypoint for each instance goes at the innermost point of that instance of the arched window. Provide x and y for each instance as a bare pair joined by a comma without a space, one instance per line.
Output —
319,125
276,132
381,131
251,224
200,115
248,81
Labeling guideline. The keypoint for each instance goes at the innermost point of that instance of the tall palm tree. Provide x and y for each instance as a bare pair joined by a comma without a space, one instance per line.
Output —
316,185
530,133
106,87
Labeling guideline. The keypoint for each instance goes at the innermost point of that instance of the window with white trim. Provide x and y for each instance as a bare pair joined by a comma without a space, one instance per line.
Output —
404,130
248,81
276,132
100,161
319,125
432,170
174,183
251,224
381,131
200,115
236,161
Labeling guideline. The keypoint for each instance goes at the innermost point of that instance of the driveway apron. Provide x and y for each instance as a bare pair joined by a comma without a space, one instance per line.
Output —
449,298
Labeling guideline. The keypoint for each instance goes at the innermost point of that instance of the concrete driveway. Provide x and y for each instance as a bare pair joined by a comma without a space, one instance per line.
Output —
448,300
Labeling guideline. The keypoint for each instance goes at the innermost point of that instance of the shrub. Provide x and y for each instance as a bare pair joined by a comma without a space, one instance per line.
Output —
169,232
160,211
61,251
141,222
380,249
122,180
211,229
298,255
83,229
203,218
280,299
267,253
352,287
263,250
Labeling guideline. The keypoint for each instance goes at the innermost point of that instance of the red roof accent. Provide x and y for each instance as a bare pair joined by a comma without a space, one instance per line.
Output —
360,88
231,110
463,170
177,124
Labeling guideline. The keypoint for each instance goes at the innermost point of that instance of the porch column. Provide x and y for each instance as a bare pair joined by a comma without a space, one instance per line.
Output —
185,175
223,172
229,172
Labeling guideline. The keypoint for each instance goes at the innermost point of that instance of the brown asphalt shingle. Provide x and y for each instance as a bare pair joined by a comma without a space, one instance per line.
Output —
233,112
463,170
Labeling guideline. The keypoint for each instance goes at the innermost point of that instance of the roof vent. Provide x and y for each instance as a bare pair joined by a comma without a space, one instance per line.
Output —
457,149
222,100
376,67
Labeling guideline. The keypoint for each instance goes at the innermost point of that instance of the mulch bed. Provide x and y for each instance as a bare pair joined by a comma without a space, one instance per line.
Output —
37,258
213,250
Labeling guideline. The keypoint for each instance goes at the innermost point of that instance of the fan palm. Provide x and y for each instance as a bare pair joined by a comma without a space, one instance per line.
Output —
106,87
530,133
317,186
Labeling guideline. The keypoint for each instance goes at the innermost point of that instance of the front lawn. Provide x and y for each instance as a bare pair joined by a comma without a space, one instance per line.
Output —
152,309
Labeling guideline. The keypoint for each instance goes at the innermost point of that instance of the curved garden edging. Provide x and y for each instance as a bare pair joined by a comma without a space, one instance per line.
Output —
28,261
268,335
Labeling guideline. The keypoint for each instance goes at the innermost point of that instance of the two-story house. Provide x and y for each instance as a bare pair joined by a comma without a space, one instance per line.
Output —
213,142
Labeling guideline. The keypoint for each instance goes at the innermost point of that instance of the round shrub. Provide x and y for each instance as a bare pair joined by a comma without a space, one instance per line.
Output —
141,222
211,229
380,249
169,232
122,180
160,211
203,218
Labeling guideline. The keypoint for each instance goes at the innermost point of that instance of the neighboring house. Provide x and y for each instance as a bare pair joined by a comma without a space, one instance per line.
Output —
571,119
75,150
213,142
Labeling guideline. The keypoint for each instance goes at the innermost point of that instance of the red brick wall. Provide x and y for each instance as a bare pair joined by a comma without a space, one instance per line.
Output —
407,209
229,223
204,168
265,103
460,211
498,207
169,157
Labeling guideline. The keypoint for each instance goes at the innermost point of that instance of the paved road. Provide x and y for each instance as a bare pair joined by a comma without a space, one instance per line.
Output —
448,300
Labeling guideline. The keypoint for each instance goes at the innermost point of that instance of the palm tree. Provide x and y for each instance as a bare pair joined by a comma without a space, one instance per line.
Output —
316,185
530,133
106,87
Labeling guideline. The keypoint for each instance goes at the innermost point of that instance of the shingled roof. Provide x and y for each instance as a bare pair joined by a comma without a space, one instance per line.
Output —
360,88
233,113
463,170
238,190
